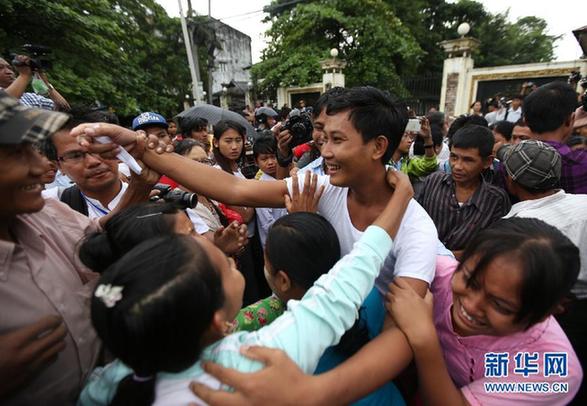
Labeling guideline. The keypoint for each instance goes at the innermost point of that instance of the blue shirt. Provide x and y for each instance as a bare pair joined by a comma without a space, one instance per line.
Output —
330,307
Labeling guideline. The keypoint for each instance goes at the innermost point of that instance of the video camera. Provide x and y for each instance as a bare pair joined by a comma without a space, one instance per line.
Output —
300,127
39,57
184,200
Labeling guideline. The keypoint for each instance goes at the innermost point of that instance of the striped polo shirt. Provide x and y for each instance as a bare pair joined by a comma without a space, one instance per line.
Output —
458,222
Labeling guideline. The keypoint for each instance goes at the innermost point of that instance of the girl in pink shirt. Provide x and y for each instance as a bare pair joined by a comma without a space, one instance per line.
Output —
490,337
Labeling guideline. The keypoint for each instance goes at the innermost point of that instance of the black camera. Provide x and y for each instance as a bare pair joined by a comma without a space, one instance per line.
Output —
39,57
184,200
300,127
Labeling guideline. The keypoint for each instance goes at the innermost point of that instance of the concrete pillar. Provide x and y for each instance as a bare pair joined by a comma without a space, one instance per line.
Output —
332,73
456,75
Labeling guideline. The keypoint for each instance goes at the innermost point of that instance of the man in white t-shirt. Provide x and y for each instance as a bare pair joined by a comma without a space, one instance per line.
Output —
362,128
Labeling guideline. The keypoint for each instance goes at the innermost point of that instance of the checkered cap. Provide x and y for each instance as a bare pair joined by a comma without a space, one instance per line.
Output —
532,164
20,124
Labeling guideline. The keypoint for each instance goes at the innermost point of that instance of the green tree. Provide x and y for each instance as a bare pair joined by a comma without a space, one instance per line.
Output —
380,48
502,42
376,45
127,54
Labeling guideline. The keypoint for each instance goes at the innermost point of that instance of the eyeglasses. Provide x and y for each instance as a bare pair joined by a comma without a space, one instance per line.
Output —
73,156
410,136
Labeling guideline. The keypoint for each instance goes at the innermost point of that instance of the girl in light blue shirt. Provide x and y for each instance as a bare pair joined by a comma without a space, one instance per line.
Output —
164,307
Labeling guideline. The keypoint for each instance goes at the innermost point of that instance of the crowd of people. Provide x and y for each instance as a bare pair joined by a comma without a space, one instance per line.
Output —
377,263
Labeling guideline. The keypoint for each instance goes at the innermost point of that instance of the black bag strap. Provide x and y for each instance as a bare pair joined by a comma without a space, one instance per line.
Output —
72,196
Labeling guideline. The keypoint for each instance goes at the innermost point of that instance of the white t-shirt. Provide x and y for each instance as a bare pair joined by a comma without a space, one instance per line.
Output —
568,213
414,249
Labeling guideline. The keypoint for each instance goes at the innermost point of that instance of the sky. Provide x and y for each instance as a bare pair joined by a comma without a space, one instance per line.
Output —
562,17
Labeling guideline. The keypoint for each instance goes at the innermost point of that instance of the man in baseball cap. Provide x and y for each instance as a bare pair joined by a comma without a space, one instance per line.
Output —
533,173
153,124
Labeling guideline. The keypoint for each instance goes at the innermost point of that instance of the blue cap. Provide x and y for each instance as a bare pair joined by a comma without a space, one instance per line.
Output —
149,118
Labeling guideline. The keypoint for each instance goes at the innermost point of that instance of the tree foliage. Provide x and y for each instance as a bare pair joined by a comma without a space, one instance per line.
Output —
378,48
387,39
502,42
127,54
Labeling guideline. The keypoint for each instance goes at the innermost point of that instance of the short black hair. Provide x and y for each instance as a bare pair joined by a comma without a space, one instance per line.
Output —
504,128
548,107
323,100
474,136
373,113
550,262
47,149
465,120
187,125
264,145
184,147
89,114
304,246
435,118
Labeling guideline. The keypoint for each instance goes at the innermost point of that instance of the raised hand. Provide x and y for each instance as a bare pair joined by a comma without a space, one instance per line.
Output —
124,137
306,200
400,182
231,239
410,312
265,387
425,131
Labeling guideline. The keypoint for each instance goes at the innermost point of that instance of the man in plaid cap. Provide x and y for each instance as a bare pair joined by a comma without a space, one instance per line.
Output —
47,344
533,175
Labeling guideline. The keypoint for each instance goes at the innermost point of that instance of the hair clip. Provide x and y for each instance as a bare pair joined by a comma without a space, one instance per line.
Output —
144,216
109,294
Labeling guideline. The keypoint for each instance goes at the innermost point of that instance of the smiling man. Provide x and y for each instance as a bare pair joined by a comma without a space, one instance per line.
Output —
362,127
462,203
47,343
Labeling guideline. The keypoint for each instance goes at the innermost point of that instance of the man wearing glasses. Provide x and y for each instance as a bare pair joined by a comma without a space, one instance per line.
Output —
98,188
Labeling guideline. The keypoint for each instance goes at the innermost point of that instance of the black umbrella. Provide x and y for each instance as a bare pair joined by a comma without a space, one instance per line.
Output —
214,114
268,111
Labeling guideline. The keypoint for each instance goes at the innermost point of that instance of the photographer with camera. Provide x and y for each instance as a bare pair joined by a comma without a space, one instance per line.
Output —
27,68
299,130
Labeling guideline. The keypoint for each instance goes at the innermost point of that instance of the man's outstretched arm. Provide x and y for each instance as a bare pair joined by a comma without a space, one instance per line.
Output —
197,177
217,184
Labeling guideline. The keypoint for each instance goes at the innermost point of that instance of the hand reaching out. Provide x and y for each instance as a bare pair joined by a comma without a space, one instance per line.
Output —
400,182
306,200
410,312
265,387
232,238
